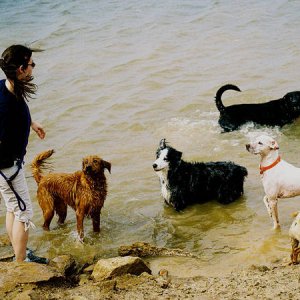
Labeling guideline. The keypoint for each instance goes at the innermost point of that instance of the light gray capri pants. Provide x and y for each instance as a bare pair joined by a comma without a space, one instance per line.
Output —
11,202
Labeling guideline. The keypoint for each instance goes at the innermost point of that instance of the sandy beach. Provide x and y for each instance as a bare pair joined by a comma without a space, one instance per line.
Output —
275,281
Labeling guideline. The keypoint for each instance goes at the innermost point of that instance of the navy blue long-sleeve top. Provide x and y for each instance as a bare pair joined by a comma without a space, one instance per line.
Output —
15,122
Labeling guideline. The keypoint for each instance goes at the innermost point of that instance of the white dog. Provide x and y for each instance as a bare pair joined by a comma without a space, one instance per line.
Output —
280,179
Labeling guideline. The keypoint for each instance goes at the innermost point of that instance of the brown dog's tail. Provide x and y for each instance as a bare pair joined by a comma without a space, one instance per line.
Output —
39,163
220,91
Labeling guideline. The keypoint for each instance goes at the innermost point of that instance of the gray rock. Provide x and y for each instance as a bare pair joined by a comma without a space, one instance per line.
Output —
12,274
63,263
117,266
4,240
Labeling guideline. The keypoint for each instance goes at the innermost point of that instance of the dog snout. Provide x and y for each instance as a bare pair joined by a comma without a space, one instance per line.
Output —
154,166
248,147
88,168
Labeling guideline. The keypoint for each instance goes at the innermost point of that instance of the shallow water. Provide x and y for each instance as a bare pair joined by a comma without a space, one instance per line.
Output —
117,76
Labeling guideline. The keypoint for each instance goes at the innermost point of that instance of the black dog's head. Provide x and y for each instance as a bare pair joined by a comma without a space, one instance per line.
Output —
293,100
166,157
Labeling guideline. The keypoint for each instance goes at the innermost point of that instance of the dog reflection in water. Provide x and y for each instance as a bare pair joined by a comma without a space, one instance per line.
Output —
184,183
85,191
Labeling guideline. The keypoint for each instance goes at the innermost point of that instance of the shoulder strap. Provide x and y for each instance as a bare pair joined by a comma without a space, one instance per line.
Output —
9,180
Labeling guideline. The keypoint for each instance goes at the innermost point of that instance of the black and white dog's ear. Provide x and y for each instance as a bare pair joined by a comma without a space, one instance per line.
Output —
174,155
162,144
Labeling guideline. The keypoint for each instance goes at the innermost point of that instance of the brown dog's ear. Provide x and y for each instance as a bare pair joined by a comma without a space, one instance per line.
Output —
107,165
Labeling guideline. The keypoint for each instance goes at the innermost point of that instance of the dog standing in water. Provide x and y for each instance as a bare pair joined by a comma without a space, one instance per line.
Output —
279,178
184,183
273,113
85,191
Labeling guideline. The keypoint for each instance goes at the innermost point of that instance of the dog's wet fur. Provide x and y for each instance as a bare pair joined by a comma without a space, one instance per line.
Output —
184,183
273,113
85,191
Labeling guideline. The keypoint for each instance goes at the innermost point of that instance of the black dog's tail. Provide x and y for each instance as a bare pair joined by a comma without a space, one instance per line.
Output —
220,91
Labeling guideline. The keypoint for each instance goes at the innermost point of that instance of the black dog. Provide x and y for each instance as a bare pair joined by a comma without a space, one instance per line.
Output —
273,113
184,183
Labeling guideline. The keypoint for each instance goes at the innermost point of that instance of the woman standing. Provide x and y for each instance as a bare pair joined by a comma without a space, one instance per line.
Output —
15,123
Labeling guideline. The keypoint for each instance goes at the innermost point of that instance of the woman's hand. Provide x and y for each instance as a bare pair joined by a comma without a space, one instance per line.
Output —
38,129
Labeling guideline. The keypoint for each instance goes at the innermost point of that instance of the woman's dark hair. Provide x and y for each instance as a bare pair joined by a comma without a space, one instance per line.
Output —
12,58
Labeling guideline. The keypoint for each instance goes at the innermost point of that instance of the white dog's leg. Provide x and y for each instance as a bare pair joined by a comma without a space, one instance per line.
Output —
274,213
267,204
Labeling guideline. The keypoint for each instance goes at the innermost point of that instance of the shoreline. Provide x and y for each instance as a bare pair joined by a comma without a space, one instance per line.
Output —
65,278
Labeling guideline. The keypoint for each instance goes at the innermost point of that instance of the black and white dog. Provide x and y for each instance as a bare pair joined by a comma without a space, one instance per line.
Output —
273,113
184,183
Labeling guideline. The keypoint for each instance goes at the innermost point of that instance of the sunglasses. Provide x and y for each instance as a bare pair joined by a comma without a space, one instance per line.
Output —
32,65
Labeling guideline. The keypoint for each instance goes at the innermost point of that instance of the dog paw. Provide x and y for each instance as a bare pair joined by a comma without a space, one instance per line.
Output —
277,227
80,239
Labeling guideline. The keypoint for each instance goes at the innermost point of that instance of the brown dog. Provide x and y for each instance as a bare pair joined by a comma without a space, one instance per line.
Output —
294,233
85,191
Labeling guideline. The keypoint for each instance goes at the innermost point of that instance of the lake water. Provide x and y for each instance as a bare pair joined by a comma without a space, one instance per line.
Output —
117,76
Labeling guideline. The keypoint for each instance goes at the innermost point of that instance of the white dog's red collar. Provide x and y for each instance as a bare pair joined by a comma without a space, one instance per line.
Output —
263,169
